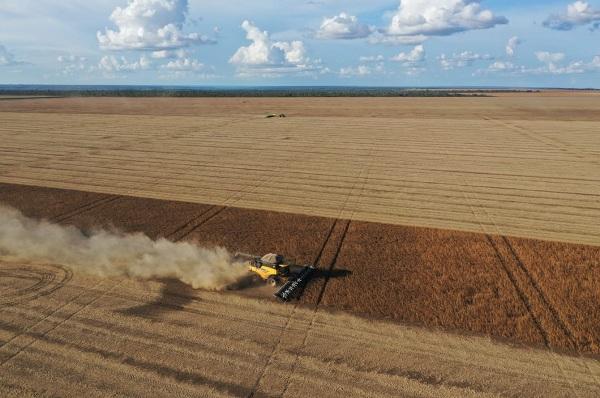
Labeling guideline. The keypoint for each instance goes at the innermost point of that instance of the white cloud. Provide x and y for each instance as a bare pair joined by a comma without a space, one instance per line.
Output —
184,65
415,56
372,58
548,57
461,60
503,66
361,70
553,66
511,46
72,64
578,13
7,58
417,20
151,25
343,26
112,64
265,57
382,37
169,54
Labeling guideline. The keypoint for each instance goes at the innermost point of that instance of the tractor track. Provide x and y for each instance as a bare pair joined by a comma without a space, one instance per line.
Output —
37,337
289,320
49,279
522,295
559,320
333,262
85,208
186,229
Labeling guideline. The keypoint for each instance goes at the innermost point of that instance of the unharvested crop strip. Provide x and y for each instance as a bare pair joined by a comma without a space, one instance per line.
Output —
521,293
85,208
332,263
187,228
555,313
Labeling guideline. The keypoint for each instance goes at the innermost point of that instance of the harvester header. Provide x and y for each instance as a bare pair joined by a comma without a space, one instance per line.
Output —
277,272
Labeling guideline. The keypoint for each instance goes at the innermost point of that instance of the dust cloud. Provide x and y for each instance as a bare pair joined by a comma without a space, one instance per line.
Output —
113,254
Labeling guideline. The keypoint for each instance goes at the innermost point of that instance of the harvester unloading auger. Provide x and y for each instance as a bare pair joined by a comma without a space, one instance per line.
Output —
273,269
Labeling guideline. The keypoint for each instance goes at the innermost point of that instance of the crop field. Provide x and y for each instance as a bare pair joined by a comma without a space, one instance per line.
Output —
452,280
456,238
519,166
97,337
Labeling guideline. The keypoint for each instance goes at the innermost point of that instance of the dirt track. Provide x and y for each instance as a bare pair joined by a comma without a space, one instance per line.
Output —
462,164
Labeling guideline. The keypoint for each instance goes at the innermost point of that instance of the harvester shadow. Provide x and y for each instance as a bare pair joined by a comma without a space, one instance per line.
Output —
334,273
325,274
174,296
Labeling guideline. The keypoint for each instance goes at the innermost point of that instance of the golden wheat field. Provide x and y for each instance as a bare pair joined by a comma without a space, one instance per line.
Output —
455,163
522,169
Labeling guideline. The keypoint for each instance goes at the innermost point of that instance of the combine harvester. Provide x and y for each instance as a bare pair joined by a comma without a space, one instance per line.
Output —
273,269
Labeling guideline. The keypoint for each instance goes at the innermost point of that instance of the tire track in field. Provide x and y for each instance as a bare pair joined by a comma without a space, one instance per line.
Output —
34,337
85,208
362,180
186,229
50,278
549,141
280,342
558,318
546,317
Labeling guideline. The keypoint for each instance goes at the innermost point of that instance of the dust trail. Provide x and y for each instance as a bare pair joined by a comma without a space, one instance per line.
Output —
110,254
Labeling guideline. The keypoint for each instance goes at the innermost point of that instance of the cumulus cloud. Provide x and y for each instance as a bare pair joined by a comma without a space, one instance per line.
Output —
151,25
415,56
263,56
344,27
372,58
416,20
511,46
578,13
553,65
461,60
7,58
72,64
548,57
112,64
362,70
503,66
184,65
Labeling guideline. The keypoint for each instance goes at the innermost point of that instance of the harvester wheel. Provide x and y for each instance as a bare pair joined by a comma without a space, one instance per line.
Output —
272,281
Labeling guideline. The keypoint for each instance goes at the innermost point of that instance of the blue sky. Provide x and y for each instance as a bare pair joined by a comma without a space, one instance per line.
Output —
287,42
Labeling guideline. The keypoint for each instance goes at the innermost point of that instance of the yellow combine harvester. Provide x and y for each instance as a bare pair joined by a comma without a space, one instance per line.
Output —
273,269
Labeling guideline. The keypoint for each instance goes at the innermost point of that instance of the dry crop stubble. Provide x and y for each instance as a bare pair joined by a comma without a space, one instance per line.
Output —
214,344
544,186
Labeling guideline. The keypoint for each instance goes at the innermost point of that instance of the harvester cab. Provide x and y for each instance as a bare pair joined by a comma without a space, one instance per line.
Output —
270,268
275,271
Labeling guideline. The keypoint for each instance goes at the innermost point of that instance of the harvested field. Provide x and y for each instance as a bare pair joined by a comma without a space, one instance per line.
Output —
523,165
95,337
451,280
456,238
